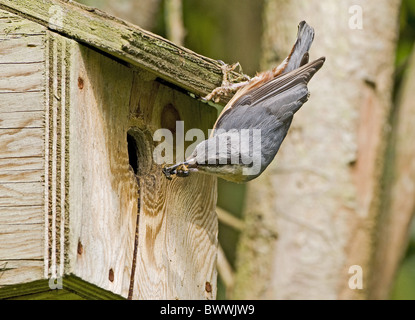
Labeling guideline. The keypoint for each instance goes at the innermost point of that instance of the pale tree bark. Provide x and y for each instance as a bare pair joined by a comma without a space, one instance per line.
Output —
318,209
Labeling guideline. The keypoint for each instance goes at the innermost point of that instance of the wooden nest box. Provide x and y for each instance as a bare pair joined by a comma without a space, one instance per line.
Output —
81,94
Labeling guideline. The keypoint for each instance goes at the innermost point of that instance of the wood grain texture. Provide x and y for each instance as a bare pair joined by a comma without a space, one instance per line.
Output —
183,226
21,194
22,101
22,77
20,271
24,241
22,86
14,49
26,214
102,190
21,176
177,65
23,163
21,142
30,119
177,223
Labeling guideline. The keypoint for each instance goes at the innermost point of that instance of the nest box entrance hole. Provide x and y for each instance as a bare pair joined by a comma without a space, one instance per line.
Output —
132,153
139,151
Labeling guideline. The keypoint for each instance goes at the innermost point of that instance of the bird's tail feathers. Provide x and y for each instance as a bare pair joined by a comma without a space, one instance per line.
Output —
299,53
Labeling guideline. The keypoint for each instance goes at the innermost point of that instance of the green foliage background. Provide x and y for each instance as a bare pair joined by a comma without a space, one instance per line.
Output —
405,282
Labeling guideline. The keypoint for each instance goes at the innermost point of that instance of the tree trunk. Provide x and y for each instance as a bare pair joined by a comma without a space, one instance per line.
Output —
399,205
174,21
318,209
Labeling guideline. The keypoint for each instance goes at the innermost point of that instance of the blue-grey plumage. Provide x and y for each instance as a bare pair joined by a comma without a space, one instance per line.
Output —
249,131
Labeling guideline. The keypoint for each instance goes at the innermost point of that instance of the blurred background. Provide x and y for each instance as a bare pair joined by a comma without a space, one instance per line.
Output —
238,31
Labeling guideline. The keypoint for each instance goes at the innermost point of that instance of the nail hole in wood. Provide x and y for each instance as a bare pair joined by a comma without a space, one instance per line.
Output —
80,83
111,275
208,287
80,248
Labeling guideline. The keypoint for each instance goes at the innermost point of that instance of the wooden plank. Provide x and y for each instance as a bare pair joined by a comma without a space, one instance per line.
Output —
19,271
21,194
22,215
22,43
21,289
13,120
175,64
73,288
22,101
22,77
21,169
177,237
21,176
22,97
21,242
21,142
88,290
21,49
102,192
51,295
21,164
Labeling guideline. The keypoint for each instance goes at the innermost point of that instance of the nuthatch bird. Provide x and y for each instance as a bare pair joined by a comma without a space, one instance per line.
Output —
256,120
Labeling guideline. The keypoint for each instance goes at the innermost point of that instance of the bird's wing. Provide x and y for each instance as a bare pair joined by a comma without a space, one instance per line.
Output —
286,93
297,58
281,85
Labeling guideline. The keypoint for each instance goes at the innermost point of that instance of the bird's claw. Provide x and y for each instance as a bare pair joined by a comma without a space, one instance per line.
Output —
182,171
229,84
167,173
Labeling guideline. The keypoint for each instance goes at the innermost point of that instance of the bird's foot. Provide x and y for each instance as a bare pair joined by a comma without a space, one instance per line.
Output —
168,171
229,84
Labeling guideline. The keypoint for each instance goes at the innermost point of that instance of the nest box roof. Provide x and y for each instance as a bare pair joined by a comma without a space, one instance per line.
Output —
125,41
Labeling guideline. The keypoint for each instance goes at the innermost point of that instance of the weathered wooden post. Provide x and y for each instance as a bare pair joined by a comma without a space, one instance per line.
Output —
81,94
